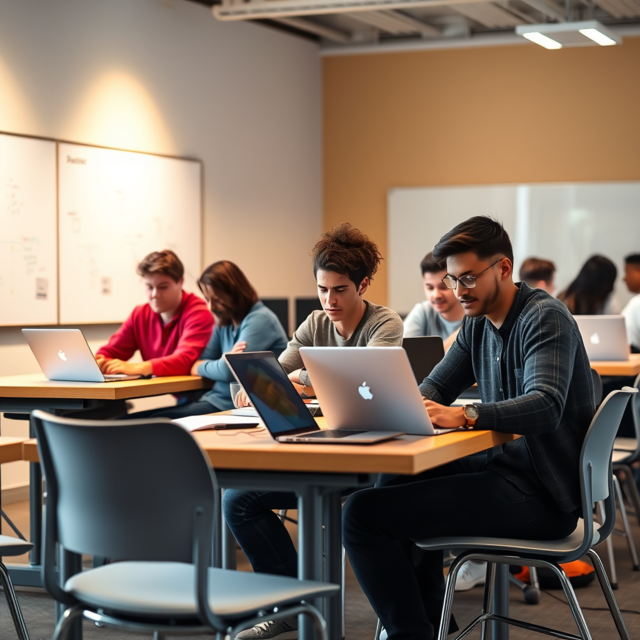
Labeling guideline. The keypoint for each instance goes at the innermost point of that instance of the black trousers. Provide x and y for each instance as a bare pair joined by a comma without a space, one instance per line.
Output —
461,498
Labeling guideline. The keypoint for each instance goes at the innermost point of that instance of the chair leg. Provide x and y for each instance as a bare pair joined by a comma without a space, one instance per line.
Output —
157,635
376,636
344,593
487,601
625,524
608,594
612,560
14,605
449,591
64,624
569,593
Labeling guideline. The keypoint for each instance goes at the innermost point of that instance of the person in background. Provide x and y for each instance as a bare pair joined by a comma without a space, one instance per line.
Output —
631,312
539,274
440,314
591,293
170,330
344,263
242,323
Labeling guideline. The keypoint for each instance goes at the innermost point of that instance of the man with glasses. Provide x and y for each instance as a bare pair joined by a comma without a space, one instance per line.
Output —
524,350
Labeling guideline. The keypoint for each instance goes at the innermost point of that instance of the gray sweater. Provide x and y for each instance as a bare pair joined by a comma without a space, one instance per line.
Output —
379,327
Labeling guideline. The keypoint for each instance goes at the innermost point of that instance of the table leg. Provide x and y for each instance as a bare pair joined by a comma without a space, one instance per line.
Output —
499,630
333,561
228,546
35,508
309,546
69,564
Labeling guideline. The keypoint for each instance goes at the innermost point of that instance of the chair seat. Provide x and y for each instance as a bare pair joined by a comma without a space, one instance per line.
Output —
10,546
167,590
620,456
533,548
625,444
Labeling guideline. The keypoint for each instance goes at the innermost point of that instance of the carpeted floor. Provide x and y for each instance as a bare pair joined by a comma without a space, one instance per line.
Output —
38,608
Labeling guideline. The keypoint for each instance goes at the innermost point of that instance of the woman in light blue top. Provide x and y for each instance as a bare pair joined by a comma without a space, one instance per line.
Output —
243,323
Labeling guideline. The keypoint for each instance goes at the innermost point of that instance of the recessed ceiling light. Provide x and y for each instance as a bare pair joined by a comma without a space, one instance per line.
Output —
569,34
542,40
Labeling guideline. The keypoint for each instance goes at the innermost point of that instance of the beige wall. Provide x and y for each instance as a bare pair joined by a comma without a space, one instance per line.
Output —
165,77
474,116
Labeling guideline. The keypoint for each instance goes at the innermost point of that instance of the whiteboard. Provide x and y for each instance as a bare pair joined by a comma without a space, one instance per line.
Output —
565,223
28,248
115,207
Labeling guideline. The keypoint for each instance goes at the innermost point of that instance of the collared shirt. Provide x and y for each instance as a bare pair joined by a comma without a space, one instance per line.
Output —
534,379
171,348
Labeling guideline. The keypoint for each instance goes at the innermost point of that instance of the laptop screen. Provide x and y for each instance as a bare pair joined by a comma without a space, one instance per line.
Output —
271,393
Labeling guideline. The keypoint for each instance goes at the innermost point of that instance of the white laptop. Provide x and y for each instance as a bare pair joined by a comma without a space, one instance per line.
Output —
367,387
604,337
63,354
281,408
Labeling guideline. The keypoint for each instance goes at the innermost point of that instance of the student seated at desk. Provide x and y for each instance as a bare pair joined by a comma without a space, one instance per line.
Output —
591,293
440,314
525,351
631,312
170,331
344,263
538,274
242,323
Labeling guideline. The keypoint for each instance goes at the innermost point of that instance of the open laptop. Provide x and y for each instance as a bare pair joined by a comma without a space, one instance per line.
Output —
604,337
424,353
368,387
281,407
64,354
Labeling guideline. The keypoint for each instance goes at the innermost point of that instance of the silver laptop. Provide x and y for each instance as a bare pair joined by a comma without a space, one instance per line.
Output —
367,387
64,354
604,337
281,408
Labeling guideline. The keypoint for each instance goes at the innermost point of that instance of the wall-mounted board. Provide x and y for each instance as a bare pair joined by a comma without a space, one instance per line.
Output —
565,223
115,207
28,246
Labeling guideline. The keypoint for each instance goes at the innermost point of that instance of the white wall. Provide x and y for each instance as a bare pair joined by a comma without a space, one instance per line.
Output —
163,76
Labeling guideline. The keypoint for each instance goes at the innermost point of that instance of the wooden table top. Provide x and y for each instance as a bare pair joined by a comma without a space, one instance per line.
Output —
37,386
256,450
11,449
630,367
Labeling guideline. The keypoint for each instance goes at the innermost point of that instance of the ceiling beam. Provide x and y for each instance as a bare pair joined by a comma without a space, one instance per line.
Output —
396,23
548,8
317,29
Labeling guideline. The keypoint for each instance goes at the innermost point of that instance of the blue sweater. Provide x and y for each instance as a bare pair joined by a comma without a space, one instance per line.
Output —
260,329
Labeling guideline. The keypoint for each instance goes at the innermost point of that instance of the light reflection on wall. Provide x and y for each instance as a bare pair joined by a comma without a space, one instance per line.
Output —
16,114
118,111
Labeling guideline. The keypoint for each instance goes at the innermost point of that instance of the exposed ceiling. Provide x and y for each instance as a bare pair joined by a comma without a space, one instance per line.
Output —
357,22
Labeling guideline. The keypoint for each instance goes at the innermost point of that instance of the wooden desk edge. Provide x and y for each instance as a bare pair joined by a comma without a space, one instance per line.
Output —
11,449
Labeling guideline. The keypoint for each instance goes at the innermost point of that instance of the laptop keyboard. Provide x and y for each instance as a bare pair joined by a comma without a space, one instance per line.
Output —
332,433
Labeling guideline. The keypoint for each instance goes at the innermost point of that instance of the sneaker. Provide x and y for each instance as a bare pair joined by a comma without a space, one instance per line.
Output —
471,575
286,629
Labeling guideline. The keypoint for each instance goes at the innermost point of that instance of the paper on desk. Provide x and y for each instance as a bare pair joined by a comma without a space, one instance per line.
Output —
201,423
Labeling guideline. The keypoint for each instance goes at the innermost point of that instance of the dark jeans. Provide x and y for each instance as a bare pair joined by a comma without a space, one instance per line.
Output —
461,498
179,411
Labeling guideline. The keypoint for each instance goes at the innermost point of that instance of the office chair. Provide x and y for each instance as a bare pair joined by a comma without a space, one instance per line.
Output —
141,491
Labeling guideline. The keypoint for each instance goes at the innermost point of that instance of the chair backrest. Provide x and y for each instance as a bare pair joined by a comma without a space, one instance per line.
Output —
595,459
597,386
126,490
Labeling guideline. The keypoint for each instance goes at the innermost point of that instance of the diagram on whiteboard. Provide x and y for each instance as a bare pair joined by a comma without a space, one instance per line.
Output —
28,261
115,207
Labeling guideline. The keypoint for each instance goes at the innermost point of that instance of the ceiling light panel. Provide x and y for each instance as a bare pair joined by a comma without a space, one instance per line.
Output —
570,34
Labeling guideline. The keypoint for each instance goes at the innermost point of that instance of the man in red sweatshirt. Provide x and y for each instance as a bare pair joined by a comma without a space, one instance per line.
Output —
170,331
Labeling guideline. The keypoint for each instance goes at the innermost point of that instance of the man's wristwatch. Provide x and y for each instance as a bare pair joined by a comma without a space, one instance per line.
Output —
471,415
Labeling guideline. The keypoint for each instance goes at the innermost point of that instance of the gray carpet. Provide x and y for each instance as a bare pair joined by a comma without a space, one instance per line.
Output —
38,608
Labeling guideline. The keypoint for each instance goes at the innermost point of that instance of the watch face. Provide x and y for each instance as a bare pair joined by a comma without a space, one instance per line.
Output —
471,411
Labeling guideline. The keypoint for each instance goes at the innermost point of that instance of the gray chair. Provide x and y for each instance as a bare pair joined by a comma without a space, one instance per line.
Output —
596,484
10,546
142,492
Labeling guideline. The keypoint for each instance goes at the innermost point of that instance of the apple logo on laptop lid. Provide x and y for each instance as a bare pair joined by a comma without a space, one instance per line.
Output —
365,391
62,355
594,338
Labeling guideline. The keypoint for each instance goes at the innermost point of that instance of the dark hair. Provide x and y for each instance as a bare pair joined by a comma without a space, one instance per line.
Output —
226,278
588,293
346,251
633,258
429,265
165,262
484,236
535,269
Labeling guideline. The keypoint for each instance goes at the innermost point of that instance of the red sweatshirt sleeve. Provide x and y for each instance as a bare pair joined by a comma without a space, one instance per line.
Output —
122,344
195,334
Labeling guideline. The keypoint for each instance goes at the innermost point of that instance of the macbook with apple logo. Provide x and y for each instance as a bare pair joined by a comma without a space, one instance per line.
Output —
281,408
368,387
65,355
604,337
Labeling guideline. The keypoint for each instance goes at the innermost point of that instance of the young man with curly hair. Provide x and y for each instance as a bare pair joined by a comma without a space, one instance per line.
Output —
344,263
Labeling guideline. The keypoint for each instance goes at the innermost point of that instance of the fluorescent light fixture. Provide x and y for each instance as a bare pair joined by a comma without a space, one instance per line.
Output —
569,34
598,36
542,40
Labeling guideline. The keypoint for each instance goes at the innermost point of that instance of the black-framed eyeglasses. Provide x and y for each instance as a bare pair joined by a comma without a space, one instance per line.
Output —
468,282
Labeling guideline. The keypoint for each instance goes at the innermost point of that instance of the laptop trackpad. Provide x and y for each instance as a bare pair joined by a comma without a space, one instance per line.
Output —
333,433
